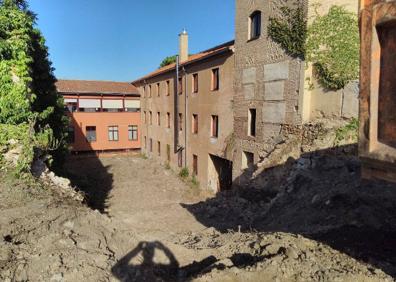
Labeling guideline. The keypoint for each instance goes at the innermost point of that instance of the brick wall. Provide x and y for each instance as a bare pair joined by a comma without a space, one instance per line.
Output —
265,79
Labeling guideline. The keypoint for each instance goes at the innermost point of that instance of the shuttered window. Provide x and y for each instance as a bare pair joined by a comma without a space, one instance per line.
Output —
112,104
89,103
132,104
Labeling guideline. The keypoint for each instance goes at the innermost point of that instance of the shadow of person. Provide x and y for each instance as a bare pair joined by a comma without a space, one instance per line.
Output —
148,269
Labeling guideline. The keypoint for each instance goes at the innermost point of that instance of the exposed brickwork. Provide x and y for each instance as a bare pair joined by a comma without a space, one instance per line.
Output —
261,66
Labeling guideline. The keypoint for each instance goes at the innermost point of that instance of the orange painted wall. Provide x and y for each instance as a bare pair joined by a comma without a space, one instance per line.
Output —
102,120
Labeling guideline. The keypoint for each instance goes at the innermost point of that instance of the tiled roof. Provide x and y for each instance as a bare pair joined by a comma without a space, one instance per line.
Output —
191,59
96,87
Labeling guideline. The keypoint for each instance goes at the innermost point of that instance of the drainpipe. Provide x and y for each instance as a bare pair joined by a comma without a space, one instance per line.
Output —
186,115
176,108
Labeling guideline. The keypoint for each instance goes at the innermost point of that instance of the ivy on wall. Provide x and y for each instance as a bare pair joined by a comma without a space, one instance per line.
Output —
330,43
290,31
333,47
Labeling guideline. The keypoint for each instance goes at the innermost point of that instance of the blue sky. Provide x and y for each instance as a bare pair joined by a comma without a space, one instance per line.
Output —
122,40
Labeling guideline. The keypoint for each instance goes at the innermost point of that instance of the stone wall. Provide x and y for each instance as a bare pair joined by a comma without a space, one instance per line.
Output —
266,79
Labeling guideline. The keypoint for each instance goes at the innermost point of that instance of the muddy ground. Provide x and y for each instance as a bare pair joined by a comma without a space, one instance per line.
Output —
141,223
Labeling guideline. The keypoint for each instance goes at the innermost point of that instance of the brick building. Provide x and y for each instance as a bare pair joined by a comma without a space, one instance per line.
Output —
104,116
262,100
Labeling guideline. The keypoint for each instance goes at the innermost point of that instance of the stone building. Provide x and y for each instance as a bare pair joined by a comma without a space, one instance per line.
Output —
377,146
263,100
268,84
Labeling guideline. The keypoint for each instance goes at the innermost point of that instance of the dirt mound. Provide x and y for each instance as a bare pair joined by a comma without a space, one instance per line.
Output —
47,237
277,257
317,223
321,197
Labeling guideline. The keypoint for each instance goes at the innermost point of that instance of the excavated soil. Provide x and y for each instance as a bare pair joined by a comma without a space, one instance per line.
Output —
320,222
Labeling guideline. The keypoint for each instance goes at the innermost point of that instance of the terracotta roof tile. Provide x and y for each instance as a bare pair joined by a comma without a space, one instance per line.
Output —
96,87
191,59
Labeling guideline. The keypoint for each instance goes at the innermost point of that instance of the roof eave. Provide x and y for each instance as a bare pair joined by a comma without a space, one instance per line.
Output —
225,50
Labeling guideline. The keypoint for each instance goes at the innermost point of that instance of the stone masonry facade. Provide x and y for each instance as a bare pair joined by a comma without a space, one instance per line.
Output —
267,80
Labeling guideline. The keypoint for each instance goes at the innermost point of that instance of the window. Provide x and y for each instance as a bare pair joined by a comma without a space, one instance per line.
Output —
132,132
149,89
215,126
151,145
167,88
247,160
252,122
180,122
158,118
132,105
195,83
113,133
150,118
168,120
215,79
194,125
145,117
195,165
168,152
113,105
159,148
89,105
71,107
180,86
70,135
90,133
145,142
158,89
255,25
180,158
144,91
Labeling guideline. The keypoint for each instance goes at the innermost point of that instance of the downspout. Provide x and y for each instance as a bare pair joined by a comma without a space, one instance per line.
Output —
186,115
145,114
176,108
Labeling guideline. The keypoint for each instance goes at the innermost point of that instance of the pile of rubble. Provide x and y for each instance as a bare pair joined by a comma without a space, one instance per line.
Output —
60,184
276,257
321,197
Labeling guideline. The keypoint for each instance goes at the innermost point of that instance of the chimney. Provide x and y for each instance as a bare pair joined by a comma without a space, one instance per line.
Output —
183,46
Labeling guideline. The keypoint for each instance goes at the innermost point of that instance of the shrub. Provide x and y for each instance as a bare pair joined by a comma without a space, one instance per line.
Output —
29,102
184,173
348,132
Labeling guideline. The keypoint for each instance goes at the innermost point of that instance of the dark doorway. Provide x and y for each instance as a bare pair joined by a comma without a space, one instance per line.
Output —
387,87
223,172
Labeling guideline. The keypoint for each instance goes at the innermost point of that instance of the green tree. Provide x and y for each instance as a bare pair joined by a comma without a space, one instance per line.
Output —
28,96
168,61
